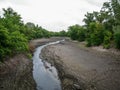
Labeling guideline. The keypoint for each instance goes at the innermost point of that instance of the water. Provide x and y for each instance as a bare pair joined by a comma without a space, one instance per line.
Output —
45,75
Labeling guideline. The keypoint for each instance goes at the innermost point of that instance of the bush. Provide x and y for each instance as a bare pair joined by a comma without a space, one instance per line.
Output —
95,36
88,42
81,34
73,32
29,55
95,39
4,42
107,38
117,36
18,42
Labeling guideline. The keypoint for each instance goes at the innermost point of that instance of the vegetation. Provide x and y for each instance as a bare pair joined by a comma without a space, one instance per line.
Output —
77,32
101,28
117,36
15,35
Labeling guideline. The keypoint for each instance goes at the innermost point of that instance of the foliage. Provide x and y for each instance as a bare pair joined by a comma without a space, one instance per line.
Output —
77,32
107,39
29,55
14,34
117,36
98,30
81,33
95,35
73,32
116,10
99,25
18,42
4,42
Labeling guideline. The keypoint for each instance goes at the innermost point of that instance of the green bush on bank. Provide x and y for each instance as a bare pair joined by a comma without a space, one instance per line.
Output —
117,36
107,39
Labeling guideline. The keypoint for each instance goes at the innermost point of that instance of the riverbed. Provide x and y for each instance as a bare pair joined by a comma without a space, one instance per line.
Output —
45,74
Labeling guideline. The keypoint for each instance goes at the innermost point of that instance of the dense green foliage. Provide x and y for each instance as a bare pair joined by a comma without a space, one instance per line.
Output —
117,36
95,36
101,28
77,32
15,35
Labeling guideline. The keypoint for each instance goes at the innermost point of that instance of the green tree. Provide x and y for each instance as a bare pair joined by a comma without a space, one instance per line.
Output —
18,42
73,31
107,39
117,36
62,33
96,35
116,9
89,17
4,42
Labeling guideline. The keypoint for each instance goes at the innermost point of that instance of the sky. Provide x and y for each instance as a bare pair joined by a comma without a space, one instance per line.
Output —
53,15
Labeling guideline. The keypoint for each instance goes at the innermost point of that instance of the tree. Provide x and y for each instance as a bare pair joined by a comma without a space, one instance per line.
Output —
107,39
96,35
18,42
11,20
117,36
62,33
4,42
116,9
73,32
89,17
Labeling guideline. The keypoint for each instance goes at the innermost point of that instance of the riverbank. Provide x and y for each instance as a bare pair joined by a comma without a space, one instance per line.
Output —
38,42
82,68
16,73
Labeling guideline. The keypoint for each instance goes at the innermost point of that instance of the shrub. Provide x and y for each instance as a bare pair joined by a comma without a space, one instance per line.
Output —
107,38
81,34
95,36
117,36
88,42
18,42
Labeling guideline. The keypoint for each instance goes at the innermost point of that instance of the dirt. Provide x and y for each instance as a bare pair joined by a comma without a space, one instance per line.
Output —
82,68
38,42
16,74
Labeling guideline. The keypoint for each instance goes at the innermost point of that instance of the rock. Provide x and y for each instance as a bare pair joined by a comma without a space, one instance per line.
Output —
77,87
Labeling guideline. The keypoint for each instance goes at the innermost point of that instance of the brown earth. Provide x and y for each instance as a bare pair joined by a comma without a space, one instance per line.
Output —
16,74
38,42
82,68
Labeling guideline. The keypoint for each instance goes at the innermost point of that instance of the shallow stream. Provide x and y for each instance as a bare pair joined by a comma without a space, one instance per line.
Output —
45,75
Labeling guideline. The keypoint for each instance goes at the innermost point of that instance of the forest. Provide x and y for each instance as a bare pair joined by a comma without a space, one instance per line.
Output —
100,28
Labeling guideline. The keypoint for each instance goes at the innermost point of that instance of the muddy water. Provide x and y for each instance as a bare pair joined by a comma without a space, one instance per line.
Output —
45,75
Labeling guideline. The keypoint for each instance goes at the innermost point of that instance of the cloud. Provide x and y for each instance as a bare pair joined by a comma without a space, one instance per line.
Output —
96,2
53,14
18,2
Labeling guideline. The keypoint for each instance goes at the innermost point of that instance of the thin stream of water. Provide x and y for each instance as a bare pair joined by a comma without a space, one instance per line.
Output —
45,75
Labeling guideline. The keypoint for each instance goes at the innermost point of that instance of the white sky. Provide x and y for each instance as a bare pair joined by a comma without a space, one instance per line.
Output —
53,15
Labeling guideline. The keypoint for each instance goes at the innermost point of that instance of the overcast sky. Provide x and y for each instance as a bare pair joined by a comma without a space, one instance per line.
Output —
54,15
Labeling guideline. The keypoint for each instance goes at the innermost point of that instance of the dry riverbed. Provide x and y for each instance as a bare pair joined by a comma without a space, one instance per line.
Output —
82,68
79,68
